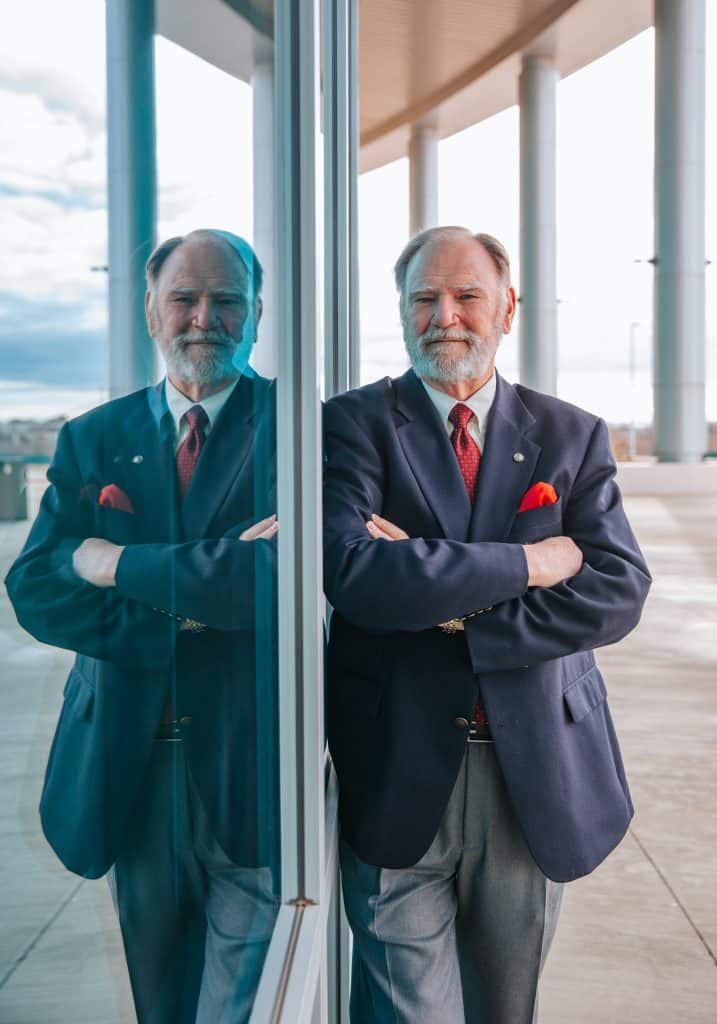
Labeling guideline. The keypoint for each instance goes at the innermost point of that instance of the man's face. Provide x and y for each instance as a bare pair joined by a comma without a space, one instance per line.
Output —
454,311
198,310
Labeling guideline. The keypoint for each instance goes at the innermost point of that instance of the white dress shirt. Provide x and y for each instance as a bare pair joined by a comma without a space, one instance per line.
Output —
479,403
178,404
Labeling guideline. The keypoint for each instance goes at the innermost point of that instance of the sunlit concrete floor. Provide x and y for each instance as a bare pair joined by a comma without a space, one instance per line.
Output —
638,938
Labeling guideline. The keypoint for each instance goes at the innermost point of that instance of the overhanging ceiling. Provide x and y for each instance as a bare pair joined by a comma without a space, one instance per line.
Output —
454,63
448,63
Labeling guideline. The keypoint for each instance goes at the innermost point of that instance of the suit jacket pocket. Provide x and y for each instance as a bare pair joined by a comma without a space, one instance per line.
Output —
538,523
585,694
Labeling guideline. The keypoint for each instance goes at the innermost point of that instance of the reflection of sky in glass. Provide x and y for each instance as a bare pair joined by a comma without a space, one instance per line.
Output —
53,217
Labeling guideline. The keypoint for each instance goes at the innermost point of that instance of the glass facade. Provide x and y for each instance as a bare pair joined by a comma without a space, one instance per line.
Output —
177,556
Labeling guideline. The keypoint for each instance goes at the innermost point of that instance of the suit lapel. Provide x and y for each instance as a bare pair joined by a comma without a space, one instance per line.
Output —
141,456
225,453
428,450
506,467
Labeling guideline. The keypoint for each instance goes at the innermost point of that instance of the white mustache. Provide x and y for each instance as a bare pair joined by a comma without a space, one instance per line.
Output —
430,336
205,337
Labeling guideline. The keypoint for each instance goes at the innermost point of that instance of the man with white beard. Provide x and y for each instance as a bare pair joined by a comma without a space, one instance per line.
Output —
476,550
153,558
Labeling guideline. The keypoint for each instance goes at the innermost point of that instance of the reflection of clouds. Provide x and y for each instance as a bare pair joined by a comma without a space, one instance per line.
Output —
52,342
40,147
53,217
53,248
60,92
52,166
53,205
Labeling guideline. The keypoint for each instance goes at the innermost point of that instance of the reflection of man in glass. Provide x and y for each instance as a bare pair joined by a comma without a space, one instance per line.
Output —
152,557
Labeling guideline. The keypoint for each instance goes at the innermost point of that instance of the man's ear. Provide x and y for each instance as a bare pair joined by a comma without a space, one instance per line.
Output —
509,310
258,310
149,314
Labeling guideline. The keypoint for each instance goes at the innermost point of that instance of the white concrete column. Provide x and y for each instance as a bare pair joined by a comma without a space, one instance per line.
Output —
538,272
131,188
679,357
264,359
423,178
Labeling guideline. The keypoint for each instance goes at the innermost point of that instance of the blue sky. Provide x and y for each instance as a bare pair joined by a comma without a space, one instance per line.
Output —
53,219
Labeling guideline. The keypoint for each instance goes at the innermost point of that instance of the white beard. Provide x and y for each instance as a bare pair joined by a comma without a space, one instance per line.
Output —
223,358
430,360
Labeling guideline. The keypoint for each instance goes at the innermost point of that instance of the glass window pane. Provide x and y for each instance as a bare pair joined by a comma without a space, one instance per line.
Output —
146,593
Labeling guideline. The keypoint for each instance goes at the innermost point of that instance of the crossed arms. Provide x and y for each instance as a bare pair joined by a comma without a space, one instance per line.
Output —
383,583
76,591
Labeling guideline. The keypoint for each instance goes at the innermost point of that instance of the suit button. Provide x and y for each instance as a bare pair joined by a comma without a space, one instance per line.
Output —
461,723
186,720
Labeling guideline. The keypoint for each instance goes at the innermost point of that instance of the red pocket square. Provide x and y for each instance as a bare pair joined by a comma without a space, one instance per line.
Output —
113,496
537,495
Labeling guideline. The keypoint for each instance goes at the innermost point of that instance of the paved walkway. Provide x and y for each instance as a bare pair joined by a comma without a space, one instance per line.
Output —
638,938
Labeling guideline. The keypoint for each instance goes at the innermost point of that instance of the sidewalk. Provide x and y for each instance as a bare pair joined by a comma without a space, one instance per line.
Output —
60,950
638,938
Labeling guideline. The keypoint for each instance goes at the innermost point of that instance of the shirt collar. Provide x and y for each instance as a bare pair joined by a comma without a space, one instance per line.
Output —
479,403
178,403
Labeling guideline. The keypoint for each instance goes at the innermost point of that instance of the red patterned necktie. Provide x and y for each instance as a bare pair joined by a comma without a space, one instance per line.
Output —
468,455
467,451
186,460
191,447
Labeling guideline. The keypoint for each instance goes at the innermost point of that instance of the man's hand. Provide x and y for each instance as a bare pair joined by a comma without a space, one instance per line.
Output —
383,529
263,530
95,561
551,561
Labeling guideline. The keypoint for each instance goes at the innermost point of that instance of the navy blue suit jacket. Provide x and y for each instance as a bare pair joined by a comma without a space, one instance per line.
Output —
396,684
183,558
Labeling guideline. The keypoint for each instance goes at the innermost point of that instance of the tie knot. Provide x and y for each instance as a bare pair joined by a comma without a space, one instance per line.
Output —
196,417
460,415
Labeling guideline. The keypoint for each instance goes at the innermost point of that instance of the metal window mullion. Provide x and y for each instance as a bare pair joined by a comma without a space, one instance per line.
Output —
309,467
352,77
285,231
336,24
310,946
328,64
300,561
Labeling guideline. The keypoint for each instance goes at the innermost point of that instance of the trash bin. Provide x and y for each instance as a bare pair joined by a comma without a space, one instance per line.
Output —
13,490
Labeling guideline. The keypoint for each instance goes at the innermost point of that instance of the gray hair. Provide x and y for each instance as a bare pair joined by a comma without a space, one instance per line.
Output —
495,249
242,249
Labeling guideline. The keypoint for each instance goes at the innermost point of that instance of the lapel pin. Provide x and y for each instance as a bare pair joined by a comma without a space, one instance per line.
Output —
518,457
137,459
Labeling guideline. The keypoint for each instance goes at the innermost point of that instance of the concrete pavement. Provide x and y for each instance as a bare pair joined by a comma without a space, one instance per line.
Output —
638,938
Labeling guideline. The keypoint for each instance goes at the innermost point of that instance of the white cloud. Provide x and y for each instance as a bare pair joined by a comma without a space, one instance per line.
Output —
52,156
57,50
53,250
45,149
